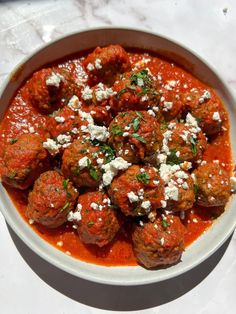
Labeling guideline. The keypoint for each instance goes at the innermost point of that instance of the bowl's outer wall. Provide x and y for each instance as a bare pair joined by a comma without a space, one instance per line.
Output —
200,249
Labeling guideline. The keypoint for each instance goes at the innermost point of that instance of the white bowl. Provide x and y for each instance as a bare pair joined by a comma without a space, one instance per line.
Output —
209,242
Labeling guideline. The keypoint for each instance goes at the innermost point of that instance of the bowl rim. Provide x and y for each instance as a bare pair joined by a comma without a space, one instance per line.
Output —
48,257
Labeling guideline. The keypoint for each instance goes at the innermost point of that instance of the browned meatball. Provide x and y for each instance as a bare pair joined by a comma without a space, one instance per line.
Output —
51,200
137,191
65,121
207,109
51,88
185,142
212,185
99,221
171,105
160,242
103,64
135,91
24,161
135,136
81,162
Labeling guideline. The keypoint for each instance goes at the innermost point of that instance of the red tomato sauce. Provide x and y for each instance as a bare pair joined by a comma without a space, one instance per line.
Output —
21,115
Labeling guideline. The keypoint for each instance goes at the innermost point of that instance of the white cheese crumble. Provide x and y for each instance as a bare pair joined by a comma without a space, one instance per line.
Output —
216,116
83,162
75,215
206,95
74,103
51,146
99,133
60,119
54,79
102,92
146,205
87,93
132,197
112,168
94,206
98,64
90,67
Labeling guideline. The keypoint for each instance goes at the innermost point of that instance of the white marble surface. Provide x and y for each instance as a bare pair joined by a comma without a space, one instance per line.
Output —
28,284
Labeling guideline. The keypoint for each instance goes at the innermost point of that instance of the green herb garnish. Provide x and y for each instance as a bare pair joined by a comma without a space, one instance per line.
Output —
139,138
65,184
164,125
165,224
143,177
13,141
108,151
172,159
193,143
195,189
12,175
90,224
116,130
64,207
92,171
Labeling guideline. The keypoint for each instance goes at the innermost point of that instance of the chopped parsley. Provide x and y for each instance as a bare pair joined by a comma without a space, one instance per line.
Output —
108,151
164,125
64,207
13,141
116,130
12,175
195,189
65,184
193,143
90,224
139,138
92,171
143,177
172,159
165,224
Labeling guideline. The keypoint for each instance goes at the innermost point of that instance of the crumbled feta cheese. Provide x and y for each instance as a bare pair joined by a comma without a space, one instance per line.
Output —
112,168
146,205
94,206
99,133
31,129
31,221
75,215
83,162
171,192
216,116
98,64
51,146
60,119
74,103
132,197
87,93
167,105
162,241
102,92
54,80
206,95
163,204
90,67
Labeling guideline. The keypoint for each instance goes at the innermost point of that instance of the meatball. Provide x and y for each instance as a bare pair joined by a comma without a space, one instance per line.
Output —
24,161
81,162
51,199
170,107
99,221
185,142
135,91
160,242
205,107
212,185
51,88
179,188
65,121
96,102
137,191
104,64
135,136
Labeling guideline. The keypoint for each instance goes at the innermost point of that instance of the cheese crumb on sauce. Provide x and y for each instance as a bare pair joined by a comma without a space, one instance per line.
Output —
132,197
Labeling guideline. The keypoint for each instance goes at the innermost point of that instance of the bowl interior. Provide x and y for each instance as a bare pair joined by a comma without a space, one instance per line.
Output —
200,249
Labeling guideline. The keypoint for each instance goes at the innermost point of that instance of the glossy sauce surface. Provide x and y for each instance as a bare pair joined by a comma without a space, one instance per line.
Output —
21,116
